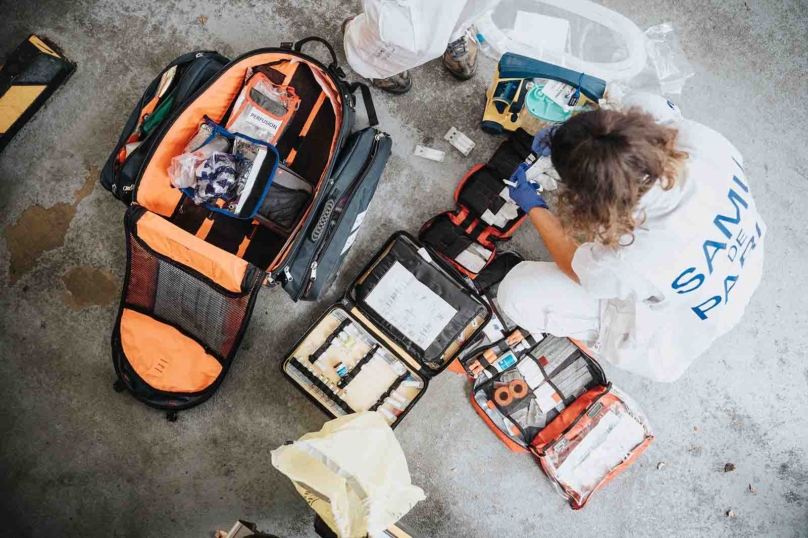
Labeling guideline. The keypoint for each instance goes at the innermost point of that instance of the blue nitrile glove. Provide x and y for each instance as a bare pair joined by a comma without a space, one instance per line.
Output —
523,192
541,142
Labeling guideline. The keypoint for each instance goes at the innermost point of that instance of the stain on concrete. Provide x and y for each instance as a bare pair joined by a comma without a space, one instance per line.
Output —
39,230
87,286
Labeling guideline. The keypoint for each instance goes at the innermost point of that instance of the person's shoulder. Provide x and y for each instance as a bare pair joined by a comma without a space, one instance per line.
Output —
703,142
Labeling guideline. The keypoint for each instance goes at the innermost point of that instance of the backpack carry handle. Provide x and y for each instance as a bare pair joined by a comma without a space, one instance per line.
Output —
334,64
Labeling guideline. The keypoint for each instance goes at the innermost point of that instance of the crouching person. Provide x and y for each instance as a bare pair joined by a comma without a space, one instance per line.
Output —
657,245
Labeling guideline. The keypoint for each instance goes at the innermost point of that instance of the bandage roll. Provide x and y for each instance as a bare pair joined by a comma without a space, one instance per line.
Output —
518,388
502,395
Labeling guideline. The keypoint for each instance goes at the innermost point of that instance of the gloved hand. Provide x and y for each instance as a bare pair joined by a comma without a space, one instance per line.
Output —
523,192
541,142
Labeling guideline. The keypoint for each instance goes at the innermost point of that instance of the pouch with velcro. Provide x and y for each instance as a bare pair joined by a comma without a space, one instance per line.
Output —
566,413
485,214
256,184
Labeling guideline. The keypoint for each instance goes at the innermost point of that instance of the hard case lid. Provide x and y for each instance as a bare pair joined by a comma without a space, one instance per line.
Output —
409,295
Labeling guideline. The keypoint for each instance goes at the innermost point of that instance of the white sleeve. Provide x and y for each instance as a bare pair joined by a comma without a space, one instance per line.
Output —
604,274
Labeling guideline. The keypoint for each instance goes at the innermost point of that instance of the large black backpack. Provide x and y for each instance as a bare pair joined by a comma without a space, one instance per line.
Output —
192,273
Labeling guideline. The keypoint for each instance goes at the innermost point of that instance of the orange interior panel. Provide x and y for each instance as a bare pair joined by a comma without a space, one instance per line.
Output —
165,358
175,243
155,191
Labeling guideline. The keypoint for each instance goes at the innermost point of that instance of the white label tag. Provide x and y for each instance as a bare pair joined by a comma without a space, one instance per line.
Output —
349,243
559,93
410,306
424,254
264,122
360,218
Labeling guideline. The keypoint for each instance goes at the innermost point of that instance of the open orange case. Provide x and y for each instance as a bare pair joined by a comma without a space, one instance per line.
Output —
467,237
547,396
402,321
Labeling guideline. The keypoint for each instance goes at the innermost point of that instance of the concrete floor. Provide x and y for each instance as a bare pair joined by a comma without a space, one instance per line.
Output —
80,460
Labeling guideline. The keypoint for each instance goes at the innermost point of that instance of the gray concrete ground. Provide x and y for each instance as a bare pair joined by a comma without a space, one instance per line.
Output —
81,460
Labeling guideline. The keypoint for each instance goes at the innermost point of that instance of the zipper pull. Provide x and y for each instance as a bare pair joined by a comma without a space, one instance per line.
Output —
288,274
313,276
128,188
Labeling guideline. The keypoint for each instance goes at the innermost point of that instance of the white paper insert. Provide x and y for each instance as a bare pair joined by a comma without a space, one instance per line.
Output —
410,306
603,448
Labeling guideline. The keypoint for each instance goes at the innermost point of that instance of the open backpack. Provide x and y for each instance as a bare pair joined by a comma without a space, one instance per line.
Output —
194,269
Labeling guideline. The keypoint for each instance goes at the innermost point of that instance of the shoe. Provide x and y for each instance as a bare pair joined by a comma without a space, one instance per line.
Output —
397,84
460,58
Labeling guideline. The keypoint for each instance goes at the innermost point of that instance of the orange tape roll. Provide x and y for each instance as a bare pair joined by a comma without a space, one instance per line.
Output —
518,388
502,395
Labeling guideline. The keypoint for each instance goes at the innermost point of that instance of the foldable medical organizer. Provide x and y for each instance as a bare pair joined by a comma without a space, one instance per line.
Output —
467,237
545,395
404,319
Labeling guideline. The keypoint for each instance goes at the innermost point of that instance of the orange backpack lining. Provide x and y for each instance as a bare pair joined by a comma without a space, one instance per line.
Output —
156,193
165,358
164,238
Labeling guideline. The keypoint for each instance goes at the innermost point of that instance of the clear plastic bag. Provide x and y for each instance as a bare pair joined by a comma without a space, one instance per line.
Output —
669,60
182,170
605,439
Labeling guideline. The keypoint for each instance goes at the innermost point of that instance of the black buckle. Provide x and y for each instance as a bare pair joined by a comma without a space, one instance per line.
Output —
287,45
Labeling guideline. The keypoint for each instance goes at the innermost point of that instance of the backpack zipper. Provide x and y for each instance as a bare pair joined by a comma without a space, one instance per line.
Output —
335,221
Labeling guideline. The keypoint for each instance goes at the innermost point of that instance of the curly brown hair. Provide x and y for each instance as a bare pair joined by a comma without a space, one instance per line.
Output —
607,160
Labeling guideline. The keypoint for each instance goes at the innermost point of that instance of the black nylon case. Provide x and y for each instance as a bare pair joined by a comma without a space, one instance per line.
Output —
197,68
404,248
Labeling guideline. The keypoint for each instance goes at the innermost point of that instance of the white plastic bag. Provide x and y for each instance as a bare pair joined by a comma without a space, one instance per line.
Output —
599,42
352,473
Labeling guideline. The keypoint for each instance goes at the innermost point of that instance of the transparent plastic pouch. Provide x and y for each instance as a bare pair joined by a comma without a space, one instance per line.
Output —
600,442
669,60
263,109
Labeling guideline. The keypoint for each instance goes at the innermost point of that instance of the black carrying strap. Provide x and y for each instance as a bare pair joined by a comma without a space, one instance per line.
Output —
334,66
373,119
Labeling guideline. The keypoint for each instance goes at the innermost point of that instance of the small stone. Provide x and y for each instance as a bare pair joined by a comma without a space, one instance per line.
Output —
729,467
695,428
661,465
730,513
752,489
202,19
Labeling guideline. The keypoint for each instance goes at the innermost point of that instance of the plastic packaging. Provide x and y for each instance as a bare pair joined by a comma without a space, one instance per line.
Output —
599,42
263,109
182,170
668,58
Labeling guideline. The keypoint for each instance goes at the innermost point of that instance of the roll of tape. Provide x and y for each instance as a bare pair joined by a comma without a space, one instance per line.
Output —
502,395
518,388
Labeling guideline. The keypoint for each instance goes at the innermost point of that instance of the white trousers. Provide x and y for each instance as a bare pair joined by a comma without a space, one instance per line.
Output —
392,36
539,297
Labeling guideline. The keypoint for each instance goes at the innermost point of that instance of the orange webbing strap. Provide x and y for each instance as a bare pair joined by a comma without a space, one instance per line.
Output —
204,230
177,244
289,70
165,358
242,248
306,126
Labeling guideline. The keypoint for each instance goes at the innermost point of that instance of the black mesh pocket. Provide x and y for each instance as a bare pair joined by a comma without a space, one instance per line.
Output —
188,301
